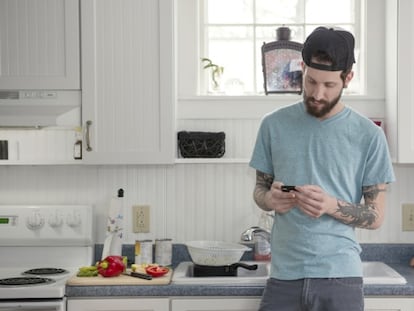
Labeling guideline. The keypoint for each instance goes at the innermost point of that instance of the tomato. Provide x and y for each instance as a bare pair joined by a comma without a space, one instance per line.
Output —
156,271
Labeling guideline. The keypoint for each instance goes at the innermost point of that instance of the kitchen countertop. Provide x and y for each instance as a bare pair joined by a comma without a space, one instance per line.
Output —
395,255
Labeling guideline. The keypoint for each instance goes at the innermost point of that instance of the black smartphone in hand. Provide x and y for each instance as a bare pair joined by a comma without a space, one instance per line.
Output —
286,188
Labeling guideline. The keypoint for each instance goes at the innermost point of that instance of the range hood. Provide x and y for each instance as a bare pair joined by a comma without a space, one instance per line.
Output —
37,108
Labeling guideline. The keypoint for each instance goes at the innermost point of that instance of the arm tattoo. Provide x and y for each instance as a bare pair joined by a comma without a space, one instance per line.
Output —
263,184
361,215
263,179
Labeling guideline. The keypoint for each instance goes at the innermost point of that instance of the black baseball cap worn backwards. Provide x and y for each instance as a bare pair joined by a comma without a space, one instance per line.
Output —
338,44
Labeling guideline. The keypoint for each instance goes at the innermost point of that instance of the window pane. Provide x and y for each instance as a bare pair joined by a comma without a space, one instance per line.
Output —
235,31
232,48
281,12
230,12
333,12
350,28
268,34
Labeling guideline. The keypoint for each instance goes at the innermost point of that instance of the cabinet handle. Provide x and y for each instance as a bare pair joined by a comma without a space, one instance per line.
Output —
87,136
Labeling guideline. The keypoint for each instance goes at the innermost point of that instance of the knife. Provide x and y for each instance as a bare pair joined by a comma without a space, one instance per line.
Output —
139,275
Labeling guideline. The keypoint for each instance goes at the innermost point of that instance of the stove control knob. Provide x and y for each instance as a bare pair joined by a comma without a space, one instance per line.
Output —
35,221
55,221
73,219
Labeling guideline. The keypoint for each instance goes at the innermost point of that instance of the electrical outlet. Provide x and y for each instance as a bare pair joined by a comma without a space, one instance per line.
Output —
141,218
408,217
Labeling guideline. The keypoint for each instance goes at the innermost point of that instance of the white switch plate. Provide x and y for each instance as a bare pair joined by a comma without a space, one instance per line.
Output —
141,218
408,217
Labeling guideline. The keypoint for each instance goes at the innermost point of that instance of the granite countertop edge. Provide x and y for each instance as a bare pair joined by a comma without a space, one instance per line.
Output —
395,255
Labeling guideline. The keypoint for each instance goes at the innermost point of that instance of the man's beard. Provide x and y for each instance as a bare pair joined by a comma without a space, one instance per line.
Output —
320,112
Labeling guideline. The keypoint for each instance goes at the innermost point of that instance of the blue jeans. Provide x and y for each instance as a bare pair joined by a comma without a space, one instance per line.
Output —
336,294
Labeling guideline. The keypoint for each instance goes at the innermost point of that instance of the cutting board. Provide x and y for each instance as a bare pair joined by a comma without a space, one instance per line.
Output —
119,280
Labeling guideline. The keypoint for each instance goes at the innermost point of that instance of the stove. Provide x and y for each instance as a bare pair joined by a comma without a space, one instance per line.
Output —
41,247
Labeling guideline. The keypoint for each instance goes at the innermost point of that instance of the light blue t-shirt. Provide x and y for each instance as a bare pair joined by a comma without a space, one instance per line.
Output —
340,154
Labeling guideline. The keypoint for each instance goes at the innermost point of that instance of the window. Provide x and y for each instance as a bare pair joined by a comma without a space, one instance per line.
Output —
233,31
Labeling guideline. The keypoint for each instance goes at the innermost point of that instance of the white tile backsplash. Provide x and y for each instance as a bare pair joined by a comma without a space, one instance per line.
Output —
188,201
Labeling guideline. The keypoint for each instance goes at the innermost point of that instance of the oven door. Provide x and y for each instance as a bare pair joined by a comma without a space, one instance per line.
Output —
38,305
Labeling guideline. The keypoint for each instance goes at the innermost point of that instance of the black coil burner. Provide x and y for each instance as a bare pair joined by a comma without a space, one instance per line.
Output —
46,271
24,281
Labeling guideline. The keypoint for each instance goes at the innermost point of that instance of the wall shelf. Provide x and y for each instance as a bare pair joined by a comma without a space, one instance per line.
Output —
211,160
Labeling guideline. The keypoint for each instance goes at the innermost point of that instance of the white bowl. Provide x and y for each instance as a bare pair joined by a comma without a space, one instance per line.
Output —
215,253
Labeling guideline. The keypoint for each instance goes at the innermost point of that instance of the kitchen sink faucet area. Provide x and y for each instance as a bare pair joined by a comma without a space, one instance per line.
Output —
374,272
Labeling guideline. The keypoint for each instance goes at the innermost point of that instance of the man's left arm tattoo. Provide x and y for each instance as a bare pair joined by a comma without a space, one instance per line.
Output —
361,215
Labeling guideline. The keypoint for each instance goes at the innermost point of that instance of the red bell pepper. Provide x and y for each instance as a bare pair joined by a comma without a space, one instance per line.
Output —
111,266
156,271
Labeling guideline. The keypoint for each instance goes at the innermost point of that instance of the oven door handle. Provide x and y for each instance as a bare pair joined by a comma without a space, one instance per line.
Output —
53,305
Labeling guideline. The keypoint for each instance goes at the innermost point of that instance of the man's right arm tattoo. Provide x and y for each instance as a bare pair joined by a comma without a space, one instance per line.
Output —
263,184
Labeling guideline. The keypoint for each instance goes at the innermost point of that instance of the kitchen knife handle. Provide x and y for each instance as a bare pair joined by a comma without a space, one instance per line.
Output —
141,275
87,135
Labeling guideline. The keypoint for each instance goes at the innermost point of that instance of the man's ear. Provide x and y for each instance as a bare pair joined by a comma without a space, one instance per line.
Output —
348,78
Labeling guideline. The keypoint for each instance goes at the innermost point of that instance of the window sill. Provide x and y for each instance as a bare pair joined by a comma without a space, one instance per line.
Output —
254,107
211,161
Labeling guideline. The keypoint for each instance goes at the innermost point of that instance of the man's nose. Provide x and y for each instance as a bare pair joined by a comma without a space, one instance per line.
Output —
318,92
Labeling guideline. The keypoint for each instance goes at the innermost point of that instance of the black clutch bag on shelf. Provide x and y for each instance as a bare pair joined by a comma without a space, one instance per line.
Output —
201,144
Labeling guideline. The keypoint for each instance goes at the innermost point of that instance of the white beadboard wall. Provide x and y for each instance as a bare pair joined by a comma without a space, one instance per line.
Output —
188,200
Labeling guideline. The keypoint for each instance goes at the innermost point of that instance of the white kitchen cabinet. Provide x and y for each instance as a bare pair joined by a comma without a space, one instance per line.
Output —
250,304
118,304
128,91
400,79
39,45
215,304
389,304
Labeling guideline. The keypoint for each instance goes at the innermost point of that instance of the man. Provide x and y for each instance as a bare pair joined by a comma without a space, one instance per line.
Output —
334,157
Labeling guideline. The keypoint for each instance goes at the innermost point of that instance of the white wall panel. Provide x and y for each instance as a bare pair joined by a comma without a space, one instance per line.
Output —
188,201
212,201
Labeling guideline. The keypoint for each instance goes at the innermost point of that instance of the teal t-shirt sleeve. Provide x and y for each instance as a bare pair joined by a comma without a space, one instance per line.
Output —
379,165
262,157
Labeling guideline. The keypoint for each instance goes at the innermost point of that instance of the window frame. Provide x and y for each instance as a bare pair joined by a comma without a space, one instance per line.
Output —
254,27
190,104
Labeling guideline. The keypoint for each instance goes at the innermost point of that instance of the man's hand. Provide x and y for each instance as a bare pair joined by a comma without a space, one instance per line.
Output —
269,196
278,200
314,201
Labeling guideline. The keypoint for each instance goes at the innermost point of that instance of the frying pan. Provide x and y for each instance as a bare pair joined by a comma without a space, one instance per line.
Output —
228,270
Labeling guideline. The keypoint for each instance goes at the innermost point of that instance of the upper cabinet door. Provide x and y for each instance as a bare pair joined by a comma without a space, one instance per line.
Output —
39,44
400,80
128,92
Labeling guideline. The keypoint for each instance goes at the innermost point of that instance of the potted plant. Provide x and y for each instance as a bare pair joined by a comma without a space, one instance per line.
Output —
216,72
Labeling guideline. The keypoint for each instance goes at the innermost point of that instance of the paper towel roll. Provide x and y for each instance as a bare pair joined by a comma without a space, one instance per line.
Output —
115,227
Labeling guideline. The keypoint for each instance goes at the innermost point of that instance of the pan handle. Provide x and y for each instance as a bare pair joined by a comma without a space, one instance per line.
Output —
243,265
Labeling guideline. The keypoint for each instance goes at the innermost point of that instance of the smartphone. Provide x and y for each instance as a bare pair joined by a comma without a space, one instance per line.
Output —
288,188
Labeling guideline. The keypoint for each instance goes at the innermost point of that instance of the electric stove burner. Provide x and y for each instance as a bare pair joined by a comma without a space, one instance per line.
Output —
24,281
45,271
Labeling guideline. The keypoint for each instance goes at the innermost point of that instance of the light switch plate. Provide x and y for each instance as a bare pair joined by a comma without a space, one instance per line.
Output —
408,217
141,218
